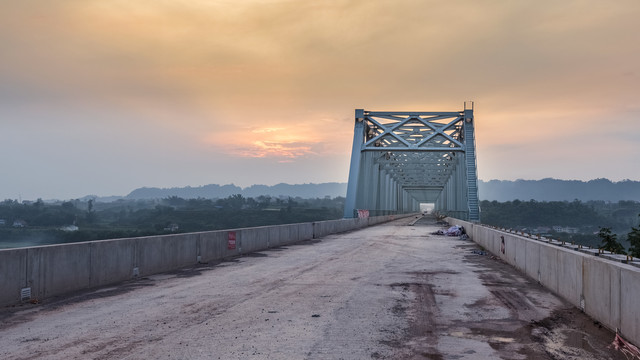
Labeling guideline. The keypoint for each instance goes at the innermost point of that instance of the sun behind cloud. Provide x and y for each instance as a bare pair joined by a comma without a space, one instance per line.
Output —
288,150
283,143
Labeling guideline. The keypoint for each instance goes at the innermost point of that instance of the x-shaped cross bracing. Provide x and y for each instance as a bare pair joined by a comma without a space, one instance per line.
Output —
424,131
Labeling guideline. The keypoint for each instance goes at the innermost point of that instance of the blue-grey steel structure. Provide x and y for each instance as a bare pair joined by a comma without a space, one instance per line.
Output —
400,159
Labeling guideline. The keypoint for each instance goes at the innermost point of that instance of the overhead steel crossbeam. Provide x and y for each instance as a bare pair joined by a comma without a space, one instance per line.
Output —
412,131
401,159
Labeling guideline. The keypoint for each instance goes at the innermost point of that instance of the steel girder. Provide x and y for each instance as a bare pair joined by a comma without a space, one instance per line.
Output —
401,159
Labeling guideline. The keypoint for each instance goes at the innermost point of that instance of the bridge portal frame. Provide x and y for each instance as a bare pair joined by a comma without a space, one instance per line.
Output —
402,158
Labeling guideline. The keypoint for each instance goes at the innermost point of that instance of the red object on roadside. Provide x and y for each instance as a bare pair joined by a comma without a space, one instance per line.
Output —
629,350
231,242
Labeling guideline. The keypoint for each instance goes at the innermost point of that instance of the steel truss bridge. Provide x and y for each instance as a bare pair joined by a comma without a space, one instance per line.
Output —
400,159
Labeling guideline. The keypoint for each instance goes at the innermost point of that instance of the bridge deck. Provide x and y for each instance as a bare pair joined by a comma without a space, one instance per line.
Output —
389,291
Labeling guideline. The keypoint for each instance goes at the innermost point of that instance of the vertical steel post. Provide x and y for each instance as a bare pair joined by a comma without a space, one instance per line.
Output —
354,169
471,164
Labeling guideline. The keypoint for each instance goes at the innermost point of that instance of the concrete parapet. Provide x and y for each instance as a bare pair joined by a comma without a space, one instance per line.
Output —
570,271
305,231
111,261
615,257
595,252
275,239
629,295
549,267
600,284
532,260
601,291
346,225
482,235
213,245
58,269
13,268
324,228
285,234
518,247
163,253
288,234
253,239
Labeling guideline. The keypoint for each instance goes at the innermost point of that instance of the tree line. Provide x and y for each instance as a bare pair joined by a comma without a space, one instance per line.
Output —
610,241
71,221
588,216
598,224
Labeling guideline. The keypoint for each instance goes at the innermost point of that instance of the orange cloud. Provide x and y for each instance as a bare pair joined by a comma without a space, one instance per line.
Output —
266,130
262,149
279,142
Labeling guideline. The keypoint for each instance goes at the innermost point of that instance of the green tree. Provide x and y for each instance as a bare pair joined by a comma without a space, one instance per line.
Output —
236,201
264,201
610,241
39,203
634,241
91,215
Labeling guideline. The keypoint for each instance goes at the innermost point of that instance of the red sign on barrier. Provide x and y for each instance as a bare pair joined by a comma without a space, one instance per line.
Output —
231,242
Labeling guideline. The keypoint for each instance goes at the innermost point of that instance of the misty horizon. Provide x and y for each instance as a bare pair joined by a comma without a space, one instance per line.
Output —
490,190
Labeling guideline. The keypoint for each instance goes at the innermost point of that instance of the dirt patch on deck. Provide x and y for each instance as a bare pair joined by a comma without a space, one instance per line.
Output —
515,318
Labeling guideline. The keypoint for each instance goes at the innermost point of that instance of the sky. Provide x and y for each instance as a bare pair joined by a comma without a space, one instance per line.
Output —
102,97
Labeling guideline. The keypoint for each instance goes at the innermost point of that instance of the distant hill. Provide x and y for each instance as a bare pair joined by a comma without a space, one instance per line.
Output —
500,190
214,191
559,190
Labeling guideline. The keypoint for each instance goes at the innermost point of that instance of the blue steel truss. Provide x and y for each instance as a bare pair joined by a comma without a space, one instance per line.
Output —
400,159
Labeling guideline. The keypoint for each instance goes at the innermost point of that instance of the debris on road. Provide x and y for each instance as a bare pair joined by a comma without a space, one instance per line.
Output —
629,350
455,230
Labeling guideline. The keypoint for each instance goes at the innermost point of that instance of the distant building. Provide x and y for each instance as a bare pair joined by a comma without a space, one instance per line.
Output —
3,222
19,224
172,227
69,228
565,229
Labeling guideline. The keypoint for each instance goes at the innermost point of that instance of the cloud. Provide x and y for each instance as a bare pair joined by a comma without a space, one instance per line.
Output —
214,55
279,142
266,130
278,80
261,149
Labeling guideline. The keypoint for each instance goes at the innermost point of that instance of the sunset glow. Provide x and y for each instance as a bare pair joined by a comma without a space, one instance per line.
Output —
282,143
126,87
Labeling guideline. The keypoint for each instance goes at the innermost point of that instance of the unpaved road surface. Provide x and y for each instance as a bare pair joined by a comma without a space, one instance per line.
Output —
387,292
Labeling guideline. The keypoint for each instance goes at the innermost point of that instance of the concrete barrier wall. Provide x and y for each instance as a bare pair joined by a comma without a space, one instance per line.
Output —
13,274
59,269
606,290
163,253
252,239
112,260
212,246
